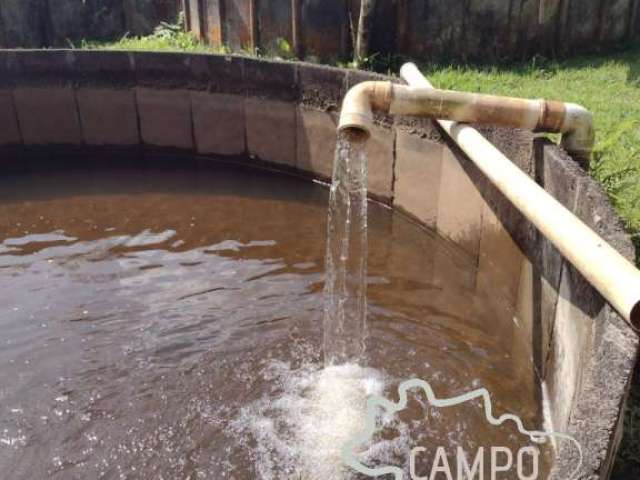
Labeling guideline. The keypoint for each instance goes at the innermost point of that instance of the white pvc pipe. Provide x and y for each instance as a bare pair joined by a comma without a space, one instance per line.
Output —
609,272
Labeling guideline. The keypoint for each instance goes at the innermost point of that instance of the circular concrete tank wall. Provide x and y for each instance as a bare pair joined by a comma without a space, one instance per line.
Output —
284,115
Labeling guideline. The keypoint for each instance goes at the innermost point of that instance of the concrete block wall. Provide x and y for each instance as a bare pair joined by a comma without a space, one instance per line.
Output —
284,115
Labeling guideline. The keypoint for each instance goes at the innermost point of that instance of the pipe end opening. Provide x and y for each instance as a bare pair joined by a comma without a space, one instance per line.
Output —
355,123
354,133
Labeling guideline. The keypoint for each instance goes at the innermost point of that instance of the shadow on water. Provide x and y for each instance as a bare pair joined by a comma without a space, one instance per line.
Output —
155,173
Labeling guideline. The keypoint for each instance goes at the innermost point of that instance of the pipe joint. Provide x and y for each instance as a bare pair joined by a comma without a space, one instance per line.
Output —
551,117
578,133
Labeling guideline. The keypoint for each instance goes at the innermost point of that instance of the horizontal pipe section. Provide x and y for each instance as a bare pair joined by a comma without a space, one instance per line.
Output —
573,121
467,107
617,280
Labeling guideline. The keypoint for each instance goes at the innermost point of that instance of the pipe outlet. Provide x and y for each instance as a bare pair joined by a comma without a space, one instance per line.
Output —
359,104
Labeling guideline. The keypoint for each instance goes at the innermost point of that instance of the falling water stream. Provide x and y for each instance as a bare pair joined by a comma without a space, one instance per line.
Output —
334,405
345,309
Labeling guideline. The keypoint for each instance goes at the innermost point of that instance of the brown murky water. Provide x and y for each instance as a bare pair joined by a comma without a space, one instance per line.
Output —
168,324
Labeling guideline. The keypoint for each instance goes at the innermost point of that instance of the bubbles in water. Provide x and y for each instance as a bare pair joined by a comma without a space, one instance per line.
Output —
299,431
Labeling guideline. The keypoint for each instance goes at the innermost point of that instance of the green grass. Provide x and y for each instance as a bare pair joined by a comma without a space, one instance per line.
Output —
179,43
164,39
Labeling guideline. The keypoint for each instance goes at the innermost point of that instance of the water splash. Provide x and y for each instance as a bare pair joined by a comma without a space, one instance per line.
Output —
301,431
345,305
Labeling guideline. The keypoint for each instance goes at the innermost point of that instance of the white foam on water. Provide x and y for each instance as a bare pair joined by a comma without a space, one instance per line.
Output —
300,429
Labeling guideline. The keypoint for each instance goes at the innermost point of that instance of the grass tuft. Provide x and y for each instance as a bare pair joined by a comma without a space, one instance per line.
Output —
169,37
